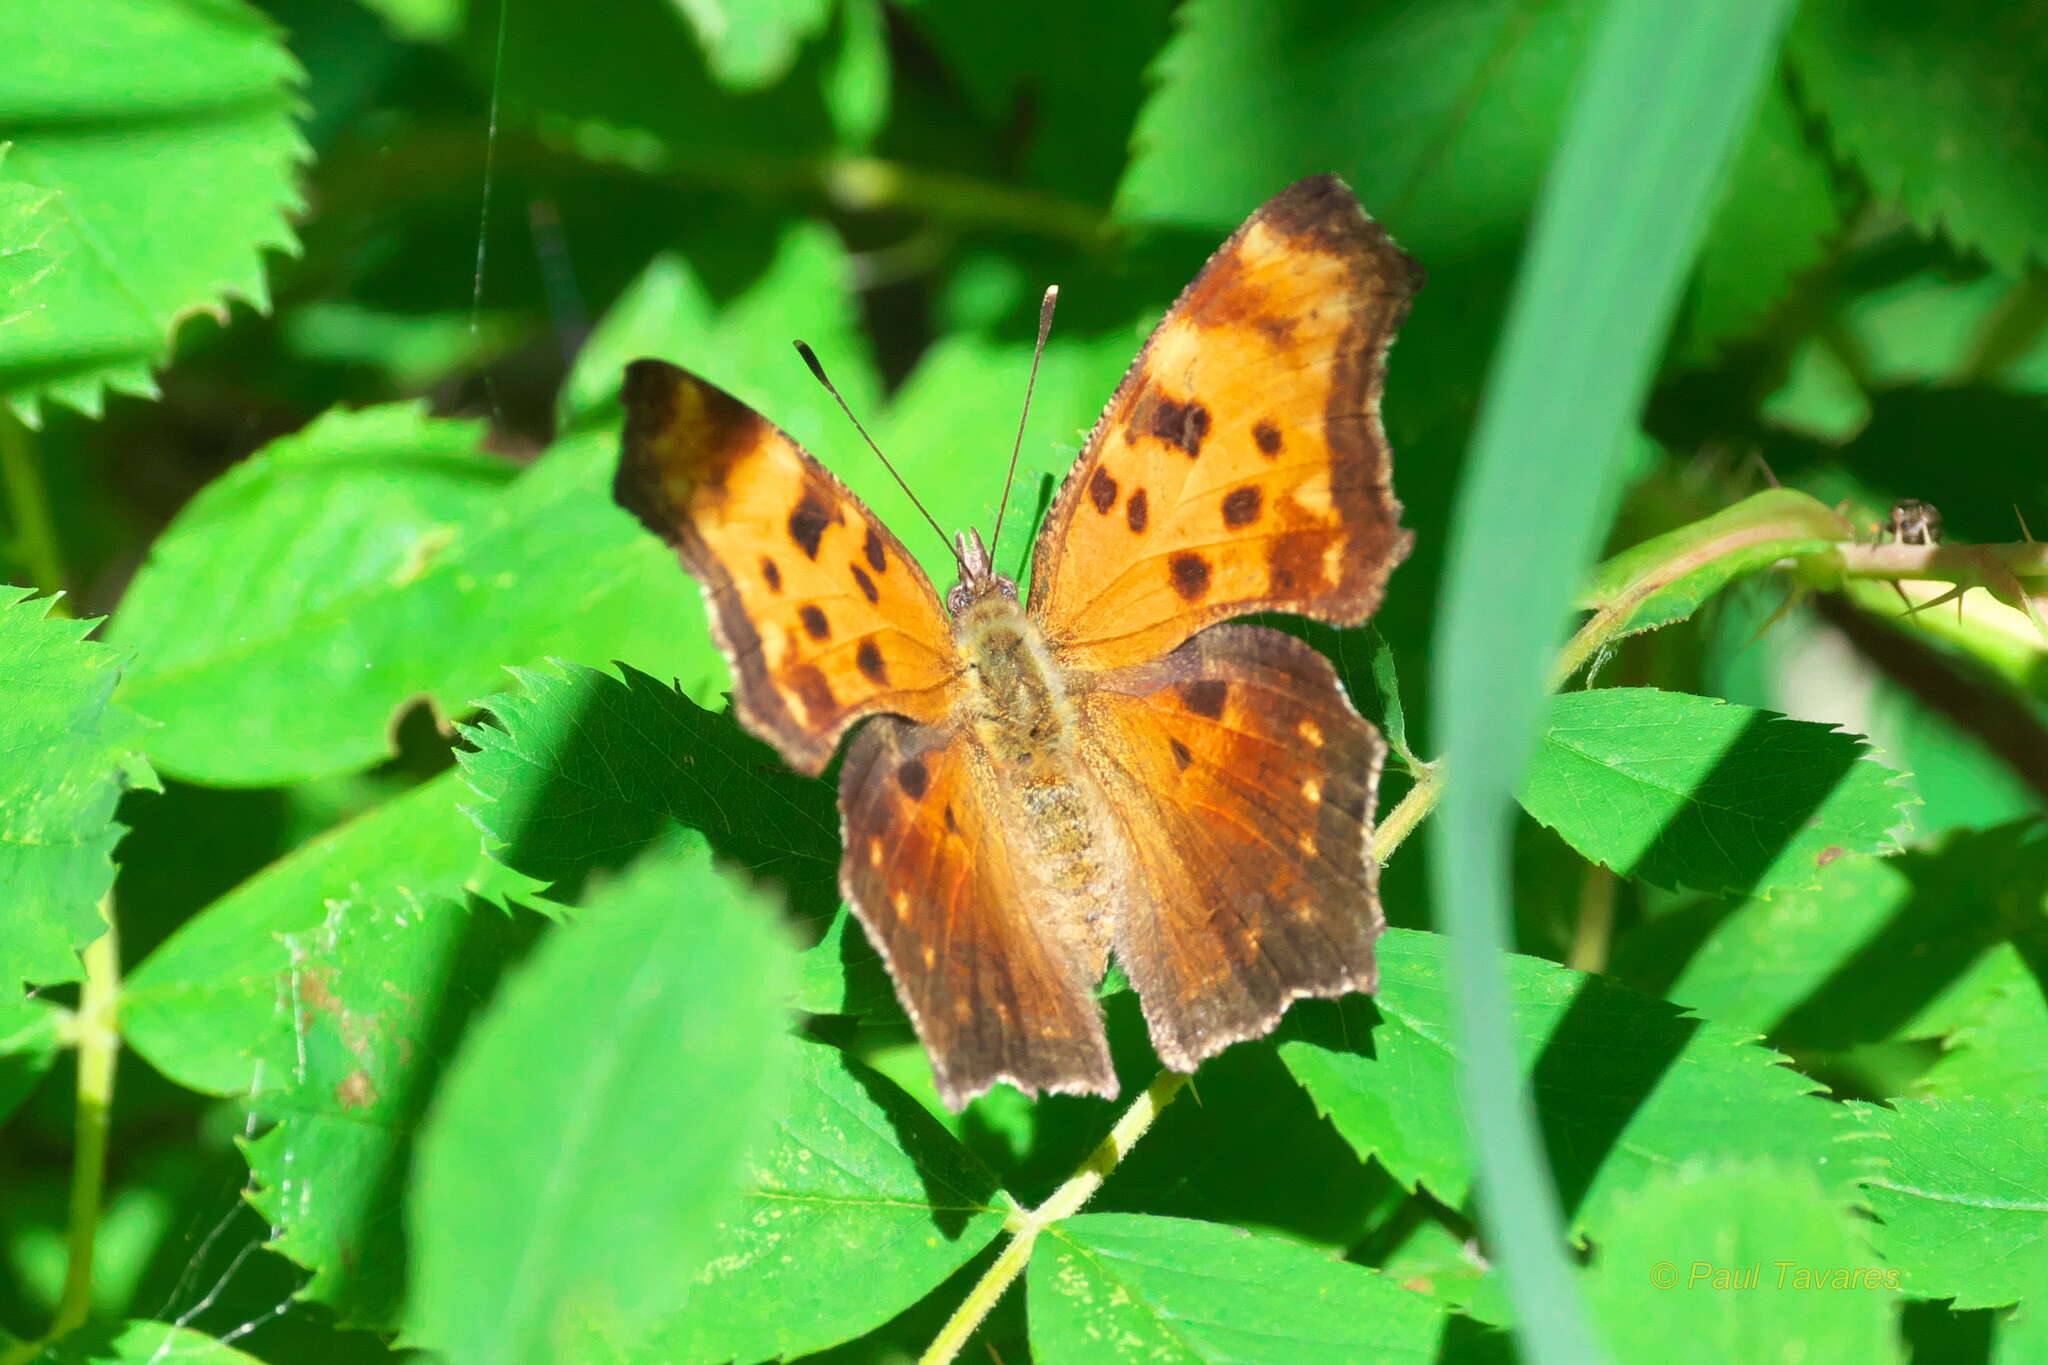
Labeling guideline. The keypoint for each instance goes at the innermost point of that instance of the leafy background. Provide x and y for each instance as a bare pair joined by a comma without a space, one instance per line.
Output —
472,957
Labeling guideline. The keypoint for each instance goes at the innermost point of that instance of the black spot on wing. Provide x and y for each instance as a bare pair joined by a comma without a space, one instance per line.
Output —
912,777
807,523
865,584
1205,696
1190,574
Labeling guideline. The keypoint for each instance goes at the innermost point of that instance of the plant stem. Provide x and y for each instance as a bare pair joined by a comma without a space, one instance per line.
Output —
99,1049
1419,801
28,507
1066,1201
1595,929
96,1034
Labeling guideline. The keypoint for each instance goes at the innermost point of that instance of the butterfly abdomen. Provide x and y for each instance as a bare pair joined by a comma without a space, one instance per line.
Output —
1027,729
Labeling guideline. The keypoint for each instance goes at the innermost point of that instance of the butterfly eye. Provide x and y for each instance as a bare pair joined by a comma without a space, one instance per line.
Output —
957,598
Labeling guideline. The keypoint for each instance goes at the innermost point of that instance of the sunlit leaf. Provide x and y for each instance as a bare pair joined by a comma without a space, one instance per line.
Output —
858,1206
1691,791
1743,1259
596,1125
164,133
1962,1202
1121,1287
66,755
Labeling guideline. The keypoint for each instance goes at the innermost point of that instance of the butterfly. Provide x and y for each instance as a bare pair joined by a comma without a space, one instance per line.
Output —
1111,766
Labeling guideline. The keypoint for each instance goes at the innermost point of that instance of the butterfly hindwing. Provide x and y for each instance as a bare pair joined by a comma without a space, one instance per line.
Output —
821,612
1241,465
1248,782
996,991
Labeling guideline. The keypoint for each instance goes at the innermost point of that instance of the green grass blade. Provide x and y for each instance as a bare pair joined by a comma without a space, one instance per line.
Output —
1664,93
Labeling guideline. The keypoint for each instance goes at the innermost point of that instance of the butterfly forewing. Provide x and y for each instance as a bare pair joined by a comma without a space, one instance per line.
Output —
821,612
1255,780
1241,465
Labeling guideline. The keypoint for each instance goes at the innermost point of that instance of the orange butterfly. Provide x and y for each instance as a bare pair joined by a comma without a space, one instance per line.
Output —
1106,769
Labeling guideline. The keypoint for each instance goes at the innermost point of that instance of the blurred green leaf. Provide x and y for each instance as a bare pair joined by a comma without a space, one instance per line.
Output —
857,80
557,63
1625,1084
209,1008
381,990
66,755
805,292
164,133
1962,1204
552,1199
1777,218
1943,110
754,44
1117,1287
1769,1222
1074,73
857,1208
412,350
421,21
1693,791
376,558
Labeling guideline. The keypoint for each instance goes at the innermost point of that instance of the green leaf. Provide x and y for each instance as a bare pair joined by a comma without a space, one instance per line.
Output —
1008,58
28,213
165,134
412,351
1447,141
373,559
1963,1202
1777,217
806,290
66,755
555,63
1625,1084
857,79
752,45
1666,578
382,989
1692,791
857,1207
141,1343
582,769
209,1007
1942,110
1999,1049
594,1129
1804,966
1112,1286
421,21
30,1040
1741,1259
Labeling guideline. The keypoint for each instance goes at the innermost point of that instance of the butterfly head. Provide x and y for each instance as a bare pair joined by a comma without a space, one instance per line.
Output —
978,577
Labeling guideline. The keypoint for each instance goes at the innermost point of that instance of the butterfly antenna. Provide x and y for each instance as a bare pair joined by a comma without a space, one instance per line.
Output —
818,371
1052,296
